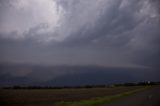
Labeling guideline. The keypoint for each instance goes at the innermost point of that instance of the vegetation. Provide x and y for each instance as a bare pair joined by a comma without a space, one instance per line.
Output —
98,100
88,95
48,97
84,86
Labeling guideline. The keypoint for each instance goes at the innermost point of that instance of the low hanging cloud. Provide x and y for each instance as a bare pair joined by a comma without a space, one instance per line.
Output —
26,74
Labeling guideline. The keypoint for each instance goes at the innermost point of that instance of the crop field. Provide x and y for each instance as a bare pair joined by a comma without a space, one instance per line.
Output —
49,97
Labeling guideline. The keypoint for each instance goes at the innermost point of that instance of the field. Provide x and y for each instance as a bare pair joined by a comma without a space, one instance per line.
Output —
48,97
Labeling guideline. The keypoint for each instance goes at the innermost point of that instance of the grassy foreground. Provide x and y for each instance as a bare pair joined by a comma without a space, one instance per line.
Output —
100,100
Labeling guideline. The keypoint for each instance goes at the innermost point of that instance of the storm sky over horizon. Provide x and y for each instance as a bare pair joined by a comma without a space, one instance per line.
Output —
79,41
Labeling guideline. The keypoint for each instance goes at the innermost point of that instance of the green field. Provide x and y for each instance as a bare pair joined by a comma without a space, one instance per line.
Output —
99,100
63,97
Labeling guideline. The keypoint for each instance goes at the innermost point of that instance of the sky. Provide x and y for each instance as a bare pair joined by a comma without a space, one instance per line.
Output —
74,42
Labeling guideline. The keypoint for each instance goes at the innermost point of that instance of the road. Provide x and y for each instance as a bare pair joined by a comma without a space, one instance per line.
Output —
150,97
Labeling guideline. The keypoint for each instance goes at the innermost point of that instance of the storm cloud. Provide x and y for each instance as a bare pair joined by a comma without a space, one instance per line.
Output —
115,34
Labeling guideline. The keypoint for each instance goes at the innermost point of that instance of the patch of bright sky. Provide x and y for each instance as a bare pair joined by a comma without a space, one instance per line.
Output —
24,15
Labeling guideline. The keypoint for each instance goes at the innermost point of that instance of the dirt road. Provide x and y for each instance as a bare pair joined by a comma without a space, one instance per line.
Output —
150,97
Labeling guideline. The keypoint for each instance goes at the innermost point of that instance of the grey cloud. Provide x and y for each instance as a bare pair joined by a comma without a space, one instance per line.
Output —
111,33
134,30
21,16
113,28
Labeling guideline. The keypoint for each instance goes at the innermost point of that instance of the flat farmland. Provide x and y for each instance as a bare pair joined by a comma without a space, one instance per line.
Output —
48,97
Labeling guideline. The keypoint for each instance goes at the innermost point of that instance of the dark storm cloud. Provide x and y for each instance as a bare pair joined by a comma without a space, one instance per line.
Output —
25,74
132,28
110,33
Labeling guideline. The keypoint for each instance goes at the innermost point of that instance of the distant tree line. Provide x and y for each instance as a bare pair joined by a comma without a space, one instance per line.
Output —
54,87
85,86
138,84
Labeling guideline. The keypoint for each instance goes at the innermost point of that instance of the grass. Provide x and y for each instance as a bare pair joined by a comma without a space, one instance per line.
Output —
49,97
99,100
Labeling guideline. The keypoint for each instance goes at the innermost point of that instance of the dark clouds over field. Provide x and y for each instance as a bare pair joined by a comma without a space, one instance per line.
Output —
98,41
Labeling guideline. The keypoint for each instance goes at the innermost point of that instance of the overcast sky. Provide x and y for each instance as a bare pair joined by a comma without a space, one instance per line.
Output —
113,34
